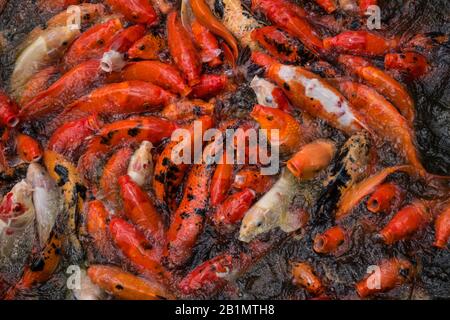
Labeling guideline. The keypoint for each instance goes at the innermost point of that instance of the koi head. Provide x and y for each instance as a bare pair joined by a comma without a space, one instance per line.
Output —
17,209
140,168
61,37
275,119
256,221
312,158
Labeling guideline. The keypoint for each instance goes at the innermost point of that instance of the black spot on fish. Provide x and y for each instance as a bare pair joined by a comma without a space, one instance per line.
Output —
134,132
200,212
119,287
160,178
219,8
37,265
190,197
166,162
197,111
286,86
63,174
170,175
107,139
81,190
184,215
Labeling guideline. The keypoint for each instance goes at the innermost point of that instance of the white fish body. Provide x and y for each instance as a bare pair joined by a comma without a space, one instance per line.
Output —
140,168
87,289
48,47
47,199
17,214
266,214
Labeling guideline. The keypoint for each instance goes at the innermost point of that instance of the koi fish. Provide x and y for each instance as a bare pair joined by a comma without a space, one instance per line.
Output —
267,212
46,49
47,199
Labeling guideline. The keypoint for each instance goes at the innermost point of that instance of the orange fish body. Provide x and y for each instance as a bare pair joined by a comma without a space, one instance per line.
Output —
253,179
233,209
118,98
385,197
360,43
311,159
182,50
289,136
97,226
205,17
8,111
328,5
65,90
168,175
115,167
69,138
124,39
385,121
139,208
158,73
41,268
291,18
210,85
330,240
383,83
137,249
405,223
208,43
442,229
92,43
413,64
136,11
188,219
277,43
126,286
387,276
303,275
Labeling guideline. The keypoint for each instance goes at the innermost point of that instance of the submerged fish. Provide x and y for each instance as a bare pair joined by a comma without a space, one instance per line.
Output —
239,21
48,47
47,199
